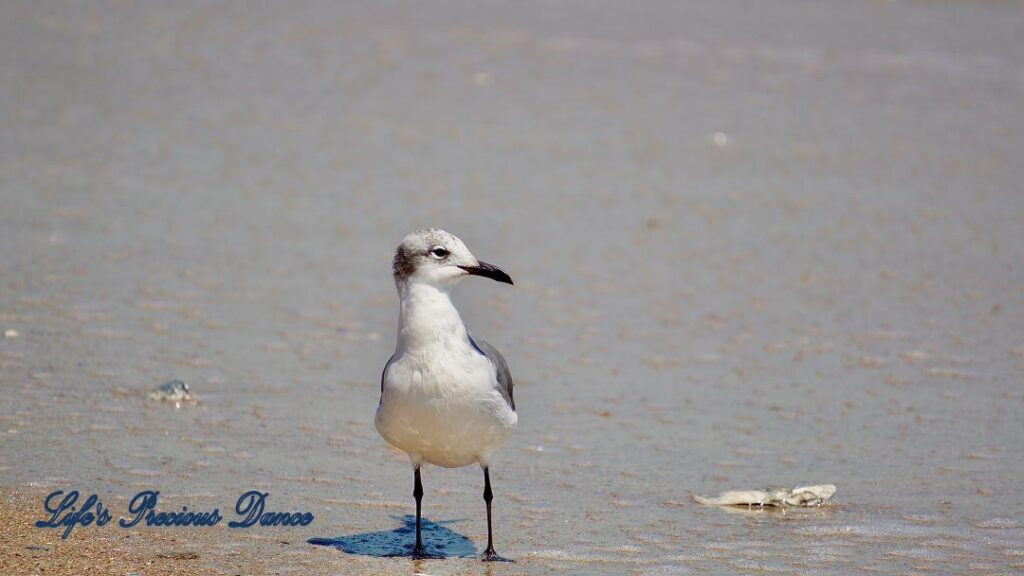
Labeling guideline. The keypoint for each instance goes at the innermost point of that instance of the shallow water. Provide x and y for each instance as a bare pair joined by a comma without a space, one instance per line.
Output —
753,244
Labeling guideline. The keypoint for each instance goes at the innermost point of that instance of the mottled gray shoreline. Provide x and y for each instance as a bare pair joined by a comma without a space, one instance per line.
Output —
760,244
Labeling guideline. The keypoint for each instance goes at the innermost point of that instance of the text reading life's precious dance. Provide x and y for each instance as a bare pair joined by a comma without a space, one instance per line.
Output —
66,511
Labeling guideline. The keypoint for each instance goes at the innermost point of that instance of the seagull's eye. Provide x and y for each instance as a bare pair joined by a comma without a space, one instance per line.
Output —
439,252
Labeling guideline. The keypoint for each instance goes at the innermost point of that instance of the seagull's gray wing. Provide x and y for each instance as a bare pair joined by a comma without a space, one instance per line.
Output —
384,373
500,367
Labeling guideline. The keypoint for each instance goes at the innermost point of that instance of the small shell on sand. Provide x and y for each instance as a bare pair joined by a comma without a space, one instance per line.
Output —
175,391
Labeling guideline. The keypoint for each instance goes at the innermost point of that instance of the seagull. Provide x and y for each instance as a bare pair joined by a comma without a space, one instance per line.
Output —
445,397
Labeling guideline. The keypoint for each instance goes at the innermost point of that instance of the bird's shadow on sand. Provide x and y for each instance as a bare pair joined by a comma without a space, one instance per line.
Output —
439,541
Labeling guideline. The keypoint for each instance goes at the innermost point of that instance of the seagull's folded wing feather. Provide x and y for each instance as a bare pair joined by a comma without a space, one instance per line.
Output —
501,368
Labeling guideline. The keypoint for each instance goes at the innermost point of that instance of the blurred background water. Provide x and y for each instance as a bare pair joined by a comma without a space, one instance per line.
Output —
770,243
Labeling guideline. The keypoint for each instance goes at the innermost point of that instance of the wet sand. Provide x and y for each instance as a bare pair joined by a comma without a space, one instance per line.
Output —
760,244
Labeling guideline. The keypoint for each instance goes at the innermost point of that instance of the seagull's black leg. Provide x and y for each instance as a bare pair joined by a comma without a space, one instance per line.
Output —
489,554
417,493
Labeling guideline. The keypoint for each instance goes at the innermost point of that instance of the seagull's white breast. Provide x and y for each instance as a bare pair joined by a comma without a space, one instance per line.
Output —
440,404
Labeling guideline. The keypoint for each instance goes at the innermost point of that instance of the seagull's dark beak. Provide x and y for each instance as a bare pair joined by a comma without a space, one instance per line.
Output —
488,271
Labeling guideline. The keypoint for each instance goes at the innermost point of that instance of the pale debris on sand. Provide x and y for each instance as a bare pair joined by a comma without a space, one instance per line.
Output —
173,391
800,496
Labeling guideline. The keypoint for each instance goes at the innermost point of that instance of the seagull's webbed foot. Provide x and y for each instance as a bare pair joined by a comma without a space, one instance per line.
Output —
490,555
421,553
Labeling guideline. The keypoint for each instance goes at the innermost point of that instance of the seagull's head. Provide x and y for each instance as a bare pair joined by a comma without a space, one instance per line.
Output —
435,257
